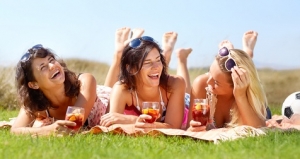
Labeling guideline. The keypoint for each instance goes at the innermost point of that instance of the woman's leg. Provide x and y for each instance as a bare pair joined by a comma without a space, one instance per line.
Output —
182,70
227,44
168,42
121,41
249,41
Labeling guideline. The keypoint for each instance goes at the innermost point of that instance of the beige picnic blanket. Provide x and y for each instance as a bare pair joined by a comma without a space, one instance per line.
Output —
214,135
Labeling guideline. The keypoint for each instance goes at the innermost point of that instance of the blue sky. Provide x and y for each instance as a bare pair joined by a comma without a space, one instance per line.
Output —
85,29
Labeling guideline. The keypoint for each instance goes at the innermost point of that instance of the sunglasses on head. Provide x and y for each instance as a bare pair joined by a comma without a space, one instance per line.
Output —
230,62
135,43
26,56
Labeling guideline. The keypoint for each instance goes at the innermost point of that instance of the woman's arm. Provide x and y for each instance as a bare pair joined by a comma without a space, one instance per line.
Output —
198,91
24,121
87,94
241,82
118,99
175,108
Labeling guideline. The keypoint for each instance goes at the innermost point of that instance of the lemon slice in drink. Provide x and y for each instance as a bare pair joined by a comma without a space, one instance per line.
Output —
198,106
145,111
72,118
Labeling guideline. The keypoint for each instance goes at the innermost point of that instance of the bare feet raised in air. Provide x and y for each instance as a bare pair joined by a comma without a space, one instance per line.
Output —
182,70
122,39
249,41
121,36
168,42
226,43
183,53
136,33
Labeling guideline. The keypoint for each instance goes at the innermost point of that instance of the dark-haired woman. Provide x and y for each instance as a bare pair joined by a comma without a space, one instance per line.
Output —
143,77
46,87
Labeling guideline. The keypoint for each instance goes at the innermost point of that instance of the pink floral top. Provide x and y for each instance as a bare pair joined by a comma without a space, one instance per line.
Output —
100,105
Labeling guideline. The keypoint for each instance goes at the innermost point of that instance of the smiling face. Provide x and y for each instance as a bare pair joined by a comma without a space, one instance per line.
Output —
151,69
47,72
219,82
143,66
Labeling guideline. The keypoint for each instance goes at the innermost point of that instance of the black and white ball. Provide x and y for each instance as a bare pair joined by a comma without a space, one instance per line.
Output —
291,105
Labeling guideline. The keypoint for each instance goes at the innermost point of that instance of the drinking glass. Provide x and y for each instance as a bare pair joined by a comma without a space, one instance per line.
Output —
201,111
75,114
152,109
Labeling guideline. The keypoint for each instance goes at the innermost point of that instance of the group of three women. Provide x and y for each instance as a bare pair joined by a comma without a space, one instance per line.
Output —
139,72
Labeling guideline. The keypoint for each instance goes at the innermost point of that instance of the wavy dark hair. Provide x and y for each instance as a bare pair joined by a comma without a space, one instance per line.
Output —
34,99
132,60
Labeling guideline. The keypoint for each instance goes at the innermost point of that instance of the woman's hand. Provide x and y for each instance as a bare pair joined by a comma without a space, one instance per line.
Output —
59,127
241,81
140,122
116,118
195,126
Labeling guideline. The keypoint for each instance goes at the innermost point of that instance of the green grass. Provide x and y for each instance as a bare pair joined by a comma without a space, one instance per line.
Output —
274,145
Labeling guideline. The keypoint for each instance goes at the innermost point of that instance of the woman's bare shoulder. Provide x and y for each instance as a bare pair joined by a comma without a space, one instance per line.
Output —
201,80
86,76
121,88
176,81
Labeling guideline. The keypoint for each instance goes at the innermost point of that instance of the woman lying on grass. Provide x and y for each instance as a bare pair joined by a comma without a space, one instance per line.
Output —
143,77
46,87
234,81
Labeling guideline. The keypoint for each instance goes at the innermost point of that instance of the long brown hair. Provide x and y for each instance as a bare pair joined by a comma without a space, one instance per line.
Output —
133,58
34,99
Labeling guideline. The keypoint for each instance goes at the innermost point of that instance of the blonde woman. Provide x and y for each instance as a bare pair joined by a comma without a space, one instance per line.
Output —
233,79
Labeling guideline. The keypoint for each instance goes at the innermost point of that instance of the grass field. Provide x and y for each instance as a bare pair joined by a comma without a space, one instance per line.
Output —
274,145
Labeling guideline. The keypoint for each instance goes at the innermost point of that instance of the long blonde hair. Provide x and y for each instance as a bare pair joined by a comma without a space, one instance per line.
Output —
255,92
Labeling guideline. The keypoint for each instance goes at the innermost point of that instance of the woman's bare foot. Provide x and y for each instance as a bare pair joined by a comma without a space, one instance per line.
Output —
182,70
136,33
121,36
226,43
168,42
183,53
122,39
249,41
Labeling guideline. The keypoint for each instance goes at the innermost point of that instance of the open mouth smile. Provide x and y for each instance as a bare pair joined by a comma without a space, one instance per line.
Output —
55,74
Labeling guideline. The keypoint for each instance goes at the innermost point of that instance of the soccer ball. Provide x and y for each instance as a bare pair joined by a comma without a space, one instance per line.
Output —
291,105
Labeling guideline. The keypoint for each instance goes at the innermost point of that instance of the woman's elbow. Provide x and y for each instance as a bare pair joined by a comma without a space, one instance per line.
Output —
14,130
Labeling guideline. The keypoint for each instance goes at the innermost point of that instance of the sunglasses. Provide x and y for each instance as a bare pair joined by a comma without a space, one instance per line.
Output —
135,43
229,63
26,56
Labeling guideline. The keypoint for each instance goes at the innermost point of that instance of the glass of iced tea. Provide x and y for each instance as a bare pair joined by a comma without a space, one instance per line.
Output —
152,109
75,114
201,111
